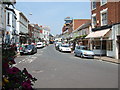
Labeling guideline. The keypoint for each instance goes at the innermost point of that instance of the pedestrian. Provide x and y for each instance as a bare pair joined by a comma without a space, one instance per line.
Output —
74,45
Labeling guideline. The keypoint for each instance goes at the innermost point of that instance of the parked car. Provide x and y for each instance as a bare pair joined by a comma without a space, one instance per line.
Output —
83,51
57,45
65,48
28,49
40,45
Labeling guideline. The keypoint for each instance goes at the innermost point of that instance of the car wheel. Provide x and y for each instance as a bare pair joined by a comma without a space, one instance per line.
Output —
75,54
81,55
21,53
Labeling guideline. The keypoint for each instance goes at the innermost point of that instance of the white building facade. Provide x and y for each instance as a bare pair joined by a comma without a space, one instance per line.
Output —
2,17
11,24
22,26
46,32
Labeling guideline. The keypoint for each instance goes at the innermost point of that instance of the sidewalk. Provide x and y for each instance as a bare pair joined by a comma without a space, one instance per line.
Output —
108,59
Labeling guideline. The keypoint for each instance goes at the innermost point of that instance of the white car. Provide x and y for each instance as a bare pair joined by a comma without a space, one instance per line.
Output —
40,45
65,48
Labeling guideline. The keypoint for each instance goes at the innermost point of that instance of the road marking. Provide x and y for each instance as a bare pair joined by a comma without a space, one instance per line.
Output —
19,61
23,60
14,65
75,58
38,54
37,71
30,61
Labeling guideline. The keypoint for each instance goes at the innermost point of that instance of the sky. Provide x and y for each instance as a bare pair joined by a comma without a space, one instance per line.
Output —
52,14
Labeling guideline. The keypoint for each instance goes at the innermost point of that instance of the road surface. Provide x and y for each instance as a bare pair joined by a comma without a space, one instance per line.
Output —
54,69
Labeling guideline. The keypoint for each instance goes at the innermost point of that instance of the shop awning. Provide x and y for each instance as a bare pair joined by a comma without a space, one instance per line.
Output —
98,34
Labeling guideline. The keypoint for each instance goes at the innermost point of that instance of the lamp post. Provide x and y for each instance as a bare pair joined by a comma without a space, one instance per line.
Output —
101,39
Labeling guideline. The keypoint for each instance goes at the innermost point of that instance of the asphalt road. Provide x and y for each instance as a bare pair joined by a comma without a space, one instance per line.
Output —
54,69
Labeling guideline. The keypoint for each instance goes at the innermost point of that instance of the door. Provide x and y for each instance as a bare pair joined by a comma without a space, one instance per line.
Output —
118,37
119,50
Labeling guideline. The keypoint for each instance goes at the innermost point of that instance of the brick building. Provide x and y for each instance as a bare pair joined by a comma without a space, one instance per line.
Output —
71,25
79,22
105,28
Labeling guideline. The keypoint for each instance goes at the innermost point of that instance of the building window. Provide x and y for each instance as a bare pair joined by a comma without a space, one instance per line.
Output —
104,18
93,5
8,19
94,21
109,45
103,2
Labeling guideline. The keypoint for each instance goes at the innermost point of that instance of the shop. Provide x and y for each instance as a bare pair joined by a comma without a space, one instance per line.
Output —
99,41
118,43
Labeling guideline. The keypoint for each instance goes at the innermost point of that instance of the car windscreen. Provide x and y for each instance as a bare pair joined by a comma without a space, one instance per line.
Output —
65,45
84,48
29,47
59,43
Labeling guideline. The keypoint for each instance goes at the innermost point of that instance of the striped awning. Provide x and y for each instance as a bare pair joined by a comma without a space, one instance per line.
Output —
98,34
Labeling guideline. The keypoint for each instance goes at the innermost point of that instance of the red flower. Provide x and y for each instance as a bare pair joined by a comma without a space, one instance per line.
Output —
30,76
5,59
13,62
5,65
13,70
28,81
26,85
25,71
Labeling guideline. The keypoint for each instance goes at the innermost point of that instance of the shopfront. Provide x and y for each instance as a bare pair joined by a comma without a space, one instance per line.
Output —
98,41
118,42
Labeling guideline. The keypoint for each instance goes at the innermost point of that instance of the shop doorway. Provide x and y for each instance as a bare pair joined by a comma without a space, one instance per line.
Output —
118,46
119,50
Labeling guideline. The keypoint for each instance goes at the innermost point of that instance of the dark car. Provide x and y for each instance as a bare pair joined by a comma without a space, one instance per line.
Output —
28,49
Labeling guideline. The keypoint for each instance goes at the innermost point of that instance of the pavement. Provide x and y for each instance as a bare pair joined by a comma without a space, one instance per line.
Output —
107,59
55,69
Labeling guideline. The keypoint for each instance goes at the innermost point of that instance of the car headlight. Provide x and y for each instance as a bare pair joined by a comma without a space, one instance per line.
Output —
84,53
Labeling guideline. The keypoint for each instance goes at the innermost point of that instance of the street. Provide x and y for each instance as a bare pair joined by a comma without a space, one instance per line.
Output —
54,69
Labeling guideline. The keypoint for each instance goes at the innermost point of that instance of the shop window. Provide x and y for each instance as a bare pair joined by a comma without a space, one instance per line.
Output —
109,45
97,45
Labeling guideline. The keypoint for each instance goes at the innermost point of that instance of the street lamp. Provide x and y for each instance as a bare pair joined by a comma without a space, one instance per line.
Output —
101,39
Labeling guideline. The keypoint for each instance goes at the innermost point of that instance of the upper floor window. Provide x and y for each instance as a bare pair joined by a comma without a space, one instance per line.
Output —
8,18
104,18
94,21
103,2
93,5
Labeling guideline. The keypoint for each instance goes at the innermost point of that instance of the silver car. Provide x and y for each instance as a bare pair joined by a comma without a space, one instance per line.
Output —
83,51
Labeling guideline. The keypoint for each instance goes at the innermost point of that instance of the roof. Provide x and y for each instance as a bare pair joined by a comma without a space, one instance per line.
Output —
83,26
